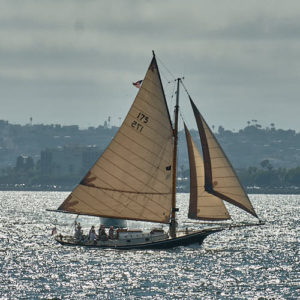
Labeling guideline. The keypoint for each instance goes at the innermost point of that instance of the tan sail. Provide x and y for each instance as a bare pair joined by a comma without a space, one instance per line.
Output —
132,179
220,177
203,205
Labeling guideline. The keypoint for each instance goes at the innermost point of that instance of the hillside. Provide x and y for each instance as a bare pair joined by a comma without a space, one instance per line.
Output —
247,147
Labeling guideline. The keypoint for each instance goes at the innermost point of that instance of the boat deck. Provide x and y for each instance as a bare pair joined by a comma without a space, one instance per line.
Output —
140,240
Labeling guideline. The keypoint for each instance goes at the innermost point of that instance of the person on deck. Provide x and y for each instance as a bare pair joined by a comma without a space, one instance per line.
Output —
111,233
92,234
102,233
78,232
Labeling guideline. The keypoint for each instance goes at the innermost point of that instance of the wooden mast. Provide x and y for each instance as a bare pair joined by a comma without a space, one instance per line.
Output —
174,209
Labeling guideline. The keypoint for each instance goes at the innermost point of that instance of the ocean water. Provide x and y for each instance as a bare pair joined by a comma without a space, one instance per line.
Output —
242,263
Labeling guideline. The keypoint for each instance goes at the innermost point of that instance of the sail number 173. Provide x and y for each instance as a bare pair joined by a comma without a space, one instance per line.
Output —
141,118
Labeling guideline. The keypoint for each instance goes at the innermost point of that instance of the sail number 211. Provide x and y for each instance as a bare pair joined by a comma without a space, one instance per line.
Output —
141,118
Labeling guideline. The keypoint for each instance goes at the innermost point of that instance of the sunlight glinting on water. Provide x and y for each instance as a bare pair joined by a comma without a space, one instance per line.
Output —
241,263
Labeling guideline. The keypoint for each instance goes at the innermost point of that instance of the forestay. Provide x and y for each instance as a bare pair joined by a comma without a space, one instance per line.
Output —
132,179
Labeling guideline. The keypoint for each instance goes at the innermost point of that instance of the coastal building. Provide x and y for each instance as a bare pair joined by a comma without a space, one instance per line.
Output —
68,160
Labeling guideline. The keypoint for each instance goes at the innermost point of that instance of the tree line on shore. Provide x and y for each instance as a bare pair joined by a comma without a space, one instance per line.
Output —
260,178
265,176
244,147
263,157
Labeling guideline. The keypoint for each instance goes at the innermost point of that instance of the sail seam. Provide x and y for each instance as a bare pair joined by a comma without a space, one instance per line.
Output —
163,113
88,205
125,206
118,213
110,216
167,163
154,154
125,184
152,121
122,204
153,166
159,137
151,140
124,191
134,177
155,131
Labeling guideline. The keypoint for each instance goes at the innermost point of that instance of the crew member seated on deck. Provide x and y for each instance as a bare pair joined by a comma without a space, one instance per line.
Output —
111,233
102,233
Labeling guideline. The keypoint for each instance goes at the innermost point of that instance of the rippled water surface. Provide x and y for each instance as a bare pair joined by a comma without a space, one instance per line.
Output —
242,263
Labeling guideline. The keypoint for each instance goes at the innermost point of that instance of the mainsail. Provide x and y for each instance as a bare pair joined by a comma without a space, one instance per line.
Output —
133,177
203,205
220,178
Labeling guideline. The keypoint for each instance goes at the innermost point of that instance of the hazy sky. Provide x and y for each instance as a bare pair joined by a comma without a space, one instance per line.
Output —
73,62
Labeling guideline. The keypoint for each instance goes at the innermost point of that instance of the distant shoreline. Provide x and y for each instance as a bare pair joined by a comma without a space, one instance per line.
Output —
53,188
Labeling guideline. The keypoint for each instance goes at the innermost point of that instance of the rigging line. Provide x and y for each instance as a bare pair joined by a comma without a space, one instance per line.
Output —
173,89
172,75
172,94
184,87
173,80
180,111
165,77
181,116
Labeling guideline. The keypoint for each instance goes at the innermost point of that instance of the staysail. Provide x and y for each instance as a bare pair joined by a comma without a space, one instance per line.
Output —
133,177
220,178
203,205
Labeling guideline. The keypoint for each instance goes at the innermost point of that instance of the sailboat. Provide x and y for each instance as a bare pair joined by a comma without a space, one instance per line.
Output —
135,177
